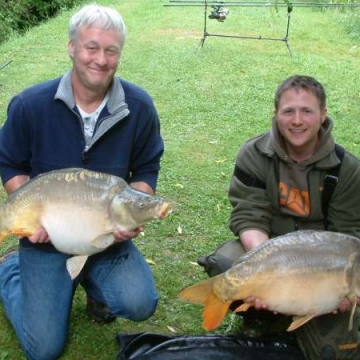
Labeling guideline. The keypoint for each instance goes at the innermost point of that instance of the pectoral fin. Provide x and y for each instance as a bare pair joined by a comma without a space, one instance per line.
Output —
26,221
21,232
25,227
299,321
350,276
103,241
244,307
75,264
352,299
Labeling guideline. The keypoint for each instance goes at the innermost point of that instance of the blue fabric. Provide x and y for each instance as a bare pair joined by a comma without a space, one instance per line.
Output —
42,134
39,304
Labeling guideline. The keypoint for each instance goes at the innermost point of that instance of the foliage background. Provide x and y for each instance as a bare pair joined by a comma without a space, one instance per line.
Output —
209,101
18,16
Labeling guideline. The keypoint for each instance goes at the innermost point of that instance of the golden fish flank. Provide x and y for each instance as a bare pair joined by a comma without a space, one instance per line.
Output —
79,209
304,274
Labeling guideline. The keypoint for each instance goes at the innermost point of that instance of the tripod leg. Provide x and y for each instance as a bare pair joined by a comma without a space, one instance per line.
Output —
201,43
289,48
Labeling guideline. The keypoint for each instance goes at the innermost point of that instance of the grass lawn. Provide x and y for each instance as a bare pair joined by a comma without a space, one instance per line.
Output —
209,102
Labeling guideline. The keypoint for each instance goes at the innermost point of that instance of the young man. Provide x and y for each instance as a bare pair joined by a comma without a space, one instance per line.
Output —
91,119
281,184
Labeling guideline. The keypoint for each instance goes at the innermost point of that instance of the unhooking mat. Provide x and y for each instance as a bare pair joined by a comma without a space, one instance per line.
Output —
153,346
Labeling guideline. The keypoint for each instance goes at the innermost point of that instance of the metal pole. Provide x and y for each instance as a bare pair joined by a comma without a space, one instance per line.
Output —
290,8
205,33
6,64
260,4
287,3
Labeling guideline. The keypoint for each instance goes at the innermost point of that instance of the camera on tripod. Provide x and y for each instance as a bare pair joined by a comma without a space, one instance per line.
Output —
219,13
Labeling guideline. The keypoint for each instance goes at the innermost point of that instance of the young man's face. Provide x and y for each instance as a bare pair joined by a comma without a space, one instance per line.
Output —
95,54
299,118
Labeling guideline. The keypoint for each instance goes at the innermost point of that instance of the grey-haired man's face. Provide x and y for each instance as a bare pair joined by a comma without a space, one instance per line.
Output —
95,53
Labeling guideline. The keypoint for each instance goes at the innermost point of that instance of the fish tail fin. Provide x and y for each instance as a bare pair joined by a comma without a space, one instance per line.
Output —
202,293
214,312
197,293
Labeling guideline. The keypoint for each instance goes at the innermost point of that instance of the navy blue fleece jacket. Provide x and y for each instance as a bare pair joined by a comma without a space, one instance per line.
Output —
44,132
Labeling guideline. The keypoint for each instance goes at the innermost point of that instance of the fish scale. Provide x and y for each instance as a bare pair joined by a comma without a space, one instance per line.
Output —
80,210
304,273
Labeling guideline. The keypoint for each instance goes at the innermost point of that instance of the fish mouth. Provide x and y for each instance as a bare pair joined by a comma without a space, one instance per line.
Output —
165,210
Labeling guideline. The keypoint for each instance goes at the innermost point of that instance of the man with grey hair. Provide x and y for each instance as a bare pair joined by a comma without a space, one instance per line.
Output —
87,118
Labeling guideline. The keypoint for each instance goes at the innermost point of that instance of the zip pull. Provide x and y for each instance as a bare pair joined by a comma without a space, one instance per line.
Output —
84,157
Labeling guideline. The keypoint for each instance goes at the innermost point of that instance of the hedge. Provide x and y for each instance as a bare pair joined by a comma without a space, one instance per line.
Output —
17,16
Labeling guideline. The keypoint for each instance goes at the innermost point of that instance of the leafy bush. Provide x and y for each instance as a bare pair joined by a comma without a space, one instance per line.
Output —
17,16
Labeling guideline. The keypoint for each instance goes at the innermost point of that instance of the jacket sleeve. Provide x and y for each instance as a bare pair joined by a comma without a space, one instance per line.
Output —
248,194
344,205
15,142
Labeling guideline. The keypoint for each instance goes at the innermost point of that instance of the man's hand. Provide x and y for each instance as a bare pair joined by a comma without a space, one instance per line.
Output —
258,304
121,236
345,306
40,236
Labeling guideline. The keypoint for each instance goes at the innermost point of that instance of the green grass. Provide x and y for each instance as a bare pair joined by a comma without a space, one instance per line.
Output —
210,102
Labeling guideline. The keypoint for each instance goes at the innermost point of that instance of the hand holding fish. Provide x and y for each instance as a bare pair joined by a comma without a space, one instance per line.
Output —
40,236
258,304
305,274
121,236
345,305
81,210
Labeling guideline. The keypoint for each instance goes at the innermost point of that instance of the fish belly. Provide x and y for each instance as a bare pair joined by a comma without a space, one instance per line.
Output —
300,294
73,230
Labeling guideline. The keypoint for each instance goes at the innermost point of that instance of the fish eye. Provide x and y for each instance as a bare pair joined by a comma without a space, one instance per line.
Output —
141,205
